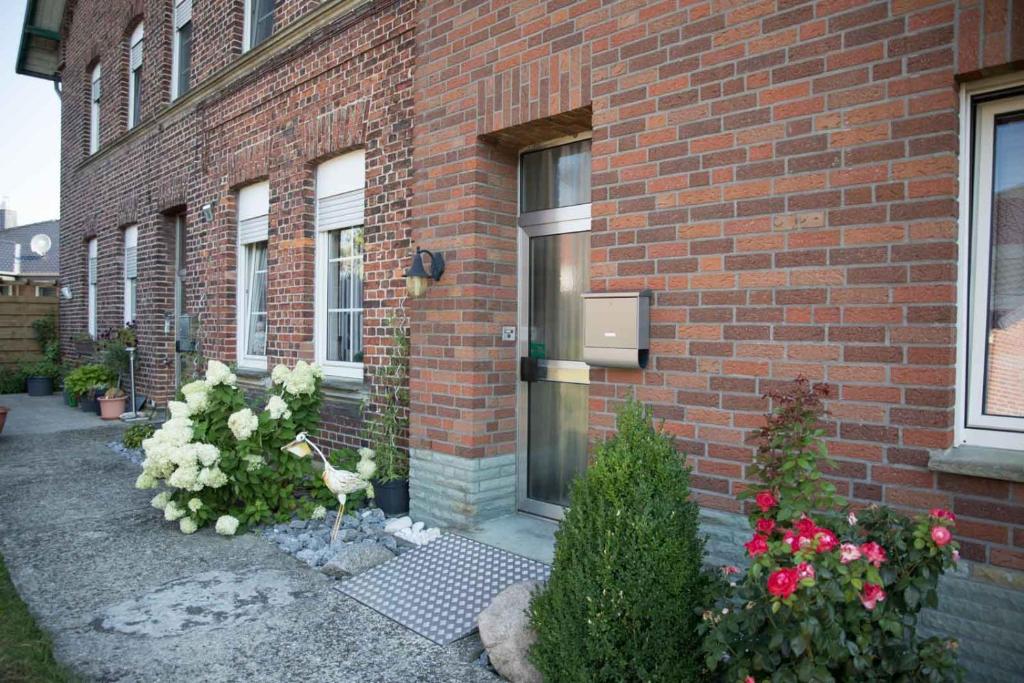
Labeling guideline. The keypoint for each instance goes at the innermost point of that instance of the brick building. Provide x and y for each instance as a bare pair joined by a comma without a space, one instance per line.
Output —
825,188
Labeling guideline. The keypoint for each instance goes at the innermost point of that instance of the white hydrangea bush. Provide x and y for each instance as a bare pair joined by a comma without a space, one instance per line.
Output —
219,461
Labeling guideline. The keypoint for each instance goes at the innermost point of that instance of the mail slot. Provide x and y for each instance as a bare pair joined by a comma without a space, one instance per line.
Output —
616,329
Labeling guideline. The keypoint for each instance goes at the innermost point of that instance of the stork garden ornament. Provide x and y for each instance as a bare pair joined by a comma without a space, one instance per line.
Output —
339,482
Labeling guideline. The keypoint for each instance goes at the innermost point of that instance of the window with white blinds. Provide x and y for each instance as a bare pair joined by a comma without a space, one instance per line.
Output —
94,109
135,76
340,207
92,278
131,269
181,49
253,226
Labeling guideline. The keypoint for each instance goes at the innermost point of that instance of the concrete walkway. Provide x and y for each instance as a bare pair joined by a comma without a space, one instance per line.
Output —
43,415
129,598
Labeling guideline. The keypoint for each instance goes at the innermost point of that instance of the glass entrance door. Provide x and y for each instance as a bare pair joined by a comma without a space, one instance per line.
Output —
554,255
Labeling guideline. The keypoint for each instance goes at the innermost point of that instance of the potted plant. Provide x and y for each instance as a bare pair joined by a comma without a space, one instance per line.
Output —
3,417
112,403
83,382
387,423
39,377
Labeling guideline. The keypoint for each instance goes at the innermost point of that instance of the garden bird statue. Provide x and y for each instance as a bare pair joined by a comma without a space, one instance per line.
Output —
339,482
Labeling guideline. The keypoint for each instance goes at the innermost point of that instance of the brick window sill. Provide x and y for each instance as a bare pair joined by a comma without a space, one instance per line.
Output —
980,461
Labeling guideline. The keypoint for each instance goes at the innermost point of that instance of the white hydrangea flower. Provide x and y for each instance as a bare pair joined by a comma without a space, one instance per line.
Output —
178,409
172,512
279,374
369,490
161,500
301,380
319,512
197,396
366,468
253,462
218,373
212,477
188,525
194,504
207,454
278,408
367,453
318,370
226,525
186,478
145,481
243,423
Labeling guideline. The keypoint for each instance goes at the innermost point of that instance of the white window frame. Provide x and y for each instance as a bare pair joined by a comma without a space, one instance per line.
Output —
182,18
95,96
135,48
972,427
92,278
253,216
131,270
248,27
340,175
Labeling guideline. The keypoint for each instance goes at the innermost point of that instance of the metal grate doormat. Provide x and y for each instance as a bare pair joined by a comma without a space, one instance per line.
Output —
437,590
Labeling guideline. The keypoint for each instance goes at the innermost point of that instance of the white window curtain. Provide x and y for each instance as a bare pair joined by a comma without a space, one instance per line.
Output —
135,76
94,109
92,278
131,241
340,207
253,228
181,49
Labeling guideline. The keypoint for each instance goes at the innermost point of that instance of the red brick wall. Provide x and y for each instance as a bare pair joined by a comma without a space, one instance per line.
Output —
347,84
782,174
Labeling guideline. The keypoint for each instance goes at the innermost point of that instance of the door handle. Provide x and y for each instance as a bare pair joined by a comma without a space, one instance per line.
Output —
528,369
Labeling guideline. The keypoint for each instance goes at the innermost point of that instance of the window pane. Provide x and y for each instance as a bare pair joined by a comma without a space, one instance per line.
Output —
184,57
556,177
257,339
262,21
344,295
136,96
1004,363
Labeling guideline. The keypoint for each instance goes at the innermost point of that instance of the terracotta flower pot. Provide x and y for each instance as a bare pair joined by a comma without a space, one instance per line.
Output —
111,408
3,416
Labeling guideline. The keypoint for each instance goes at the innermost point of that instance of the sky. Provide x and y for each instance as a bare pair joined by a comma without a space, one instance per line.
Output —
29,130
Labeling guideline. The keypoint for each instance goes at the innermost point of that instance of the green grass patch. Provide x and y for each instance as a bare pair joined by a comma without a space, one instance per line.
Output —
26,652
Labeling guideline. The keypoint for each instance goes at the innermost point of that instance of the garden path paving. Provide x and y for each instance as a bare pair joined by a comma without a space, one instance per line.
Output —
129,598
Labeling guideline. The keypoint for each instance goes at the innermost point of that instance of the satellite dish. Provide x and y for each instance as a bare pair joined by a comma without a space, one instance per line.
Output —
40,244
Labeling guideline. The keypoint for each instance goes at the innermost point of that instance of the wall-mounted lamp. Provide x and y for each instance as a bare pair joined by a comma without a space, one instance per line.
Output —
416,276
65,292
207,211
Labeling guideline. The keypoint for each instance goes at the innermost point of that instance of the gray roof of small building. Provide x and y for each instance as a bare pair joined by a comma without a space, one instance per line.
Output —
31,264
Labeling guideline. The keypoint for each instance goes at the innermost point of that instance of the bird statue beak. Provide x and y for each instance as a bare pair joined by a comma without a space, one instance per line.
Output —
299,447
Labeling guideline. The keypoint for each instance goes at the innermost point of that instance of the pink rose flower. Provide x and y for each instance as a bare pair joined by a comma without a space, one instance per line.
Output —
851,519
765,526
827,541
956,555
783,582
940,513
790,539
874,553
848,553
871,595
765,500
941,535
749,679
730,569
805,570
757,545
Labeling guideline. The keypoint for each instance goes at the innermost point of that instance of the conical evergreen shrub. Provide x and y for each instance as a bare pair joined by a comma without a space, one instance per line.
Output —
627,584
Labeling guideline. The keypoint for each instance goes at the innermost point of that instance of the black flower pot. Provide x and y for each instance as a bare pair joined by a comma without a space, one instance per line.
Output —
39,386
392,497
88,404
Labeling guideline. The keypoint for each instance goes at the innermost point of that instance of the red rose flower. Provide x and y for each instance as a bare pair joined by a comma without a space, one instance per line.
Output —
874,553
941,535
827,541
805,570
749,679
805,526
757,545
871,595
783,582
940,513
765,526
765,500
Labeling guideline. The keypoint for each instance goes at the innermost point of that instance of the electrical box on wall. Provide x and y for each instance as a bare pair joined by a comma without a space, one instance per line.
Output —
616,329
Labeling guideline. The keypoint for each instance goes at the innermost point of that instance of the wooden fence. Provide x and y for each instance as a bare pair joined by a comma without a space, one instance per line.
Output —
17,338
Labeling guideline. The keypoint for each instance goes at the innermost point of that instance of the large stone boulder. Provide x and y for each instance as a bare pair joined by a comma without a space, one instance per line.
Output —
506,633
356,558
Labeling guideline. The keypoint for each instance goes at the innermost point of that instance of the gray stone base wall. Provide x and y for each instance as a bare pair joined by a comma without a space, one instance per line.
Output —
979,605
449,491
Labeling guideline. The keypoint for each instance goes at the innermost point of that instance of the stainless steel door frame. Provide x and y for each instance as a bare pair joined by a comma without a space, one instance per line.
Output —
539,224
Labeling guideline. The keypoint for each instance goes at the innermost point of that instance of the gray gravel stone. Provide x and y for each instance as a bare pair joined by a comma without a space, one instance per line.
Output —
506,633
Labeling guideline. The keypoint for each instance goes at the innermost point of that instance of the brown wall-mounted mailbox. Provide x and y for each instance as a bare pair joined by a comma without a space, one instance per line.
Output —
616,329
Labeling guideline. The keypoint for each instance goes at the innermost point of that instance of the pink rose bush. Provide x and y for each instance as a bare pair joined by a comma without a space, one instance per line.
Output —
830,594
